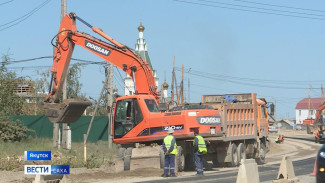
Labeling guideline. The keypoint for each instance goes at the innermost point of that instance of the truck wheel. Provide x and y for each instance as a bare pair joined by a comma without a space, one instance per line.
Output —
162,159
120,152
180,159
127,158
234,155
241,151
261,159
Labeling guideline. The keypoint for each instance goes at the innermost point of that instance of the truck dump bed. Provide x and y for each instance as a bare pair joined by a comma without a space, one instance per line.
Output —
242,115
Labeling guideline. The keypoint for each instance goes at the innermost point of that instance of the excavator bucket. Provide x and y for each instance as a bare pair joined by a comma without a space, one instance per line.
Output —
68,111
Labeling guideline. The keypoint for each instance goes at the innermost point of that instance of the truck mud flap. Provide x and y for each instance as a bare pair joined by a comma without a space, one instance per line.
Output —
68,111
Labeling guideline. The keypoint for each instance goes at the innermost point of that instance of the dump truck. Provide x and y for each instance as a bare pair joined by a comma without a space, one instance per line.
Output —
243,131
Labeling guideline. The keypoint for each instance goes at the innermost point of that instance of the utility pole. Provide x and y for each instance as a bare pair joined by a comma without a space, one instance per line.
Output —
322,92
56,126
309,102
181,90
188,98
174,86
109,76
93,116
173,92
66,131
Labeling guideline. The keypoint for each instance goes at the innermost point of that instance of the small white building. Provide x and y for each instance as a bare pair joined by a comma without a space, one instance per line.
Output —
140,49
306,108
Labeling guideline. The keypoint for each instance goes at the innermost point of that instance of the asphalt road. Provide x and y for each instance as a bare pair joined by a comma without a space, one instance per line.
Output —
267,172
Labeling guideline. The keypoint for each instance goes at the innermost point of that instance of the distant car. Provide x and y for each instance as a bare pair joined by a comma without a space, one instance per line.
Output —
320,165
298,127
273,129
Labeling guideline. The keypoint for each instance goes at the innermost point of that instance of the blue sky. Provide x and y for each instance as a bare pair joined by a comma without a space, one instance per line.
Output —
275,56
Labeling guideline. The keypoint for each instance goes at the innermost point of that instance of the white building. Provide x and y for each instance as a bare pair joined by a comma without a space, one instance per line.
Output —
141,49
306,109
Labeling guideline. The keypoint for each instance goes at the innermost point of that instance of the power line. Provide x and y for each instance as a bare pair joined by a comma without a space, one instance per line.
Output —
201,86
259,8
24,17
279,6
26,60
6,2
210,76
250,79
85,62
30,67
121,77
246,10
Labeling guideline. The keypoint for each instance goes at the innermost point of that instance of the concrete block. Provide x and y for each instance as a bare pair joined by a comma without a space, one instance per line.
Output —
248,172
39,179
286,172
294,180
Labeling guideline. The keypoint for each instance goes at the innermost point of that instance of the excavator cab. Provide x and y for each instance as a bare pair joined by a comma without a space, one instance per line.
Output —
127,115
68,111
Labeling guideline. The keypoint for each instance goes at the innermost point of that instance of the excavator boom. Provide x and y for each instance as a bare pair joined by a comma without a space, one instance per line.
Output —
116,53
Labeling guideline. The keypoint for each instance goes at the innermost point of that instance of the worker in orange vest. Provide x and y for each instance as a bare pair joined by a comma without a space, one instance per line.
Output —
316,136
279,139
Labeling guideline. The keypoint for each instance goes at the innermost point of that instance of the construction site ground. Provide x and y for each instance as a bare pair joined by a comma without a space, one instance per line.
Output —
294,146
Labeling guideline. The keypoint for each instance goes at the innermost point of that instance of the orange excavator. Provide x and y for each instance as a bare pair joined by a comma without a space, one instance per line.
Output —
140,121
316,125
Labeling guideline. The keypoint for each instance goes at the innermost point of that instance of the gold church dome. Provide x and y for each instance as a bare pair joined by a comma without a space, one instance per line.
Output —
141,28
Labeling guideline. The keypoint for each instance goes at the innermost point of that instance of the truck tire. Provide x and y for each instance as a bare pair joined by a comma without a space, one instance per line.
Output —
180,159
127,158
234,156
261,159
162,159
120,152
241,151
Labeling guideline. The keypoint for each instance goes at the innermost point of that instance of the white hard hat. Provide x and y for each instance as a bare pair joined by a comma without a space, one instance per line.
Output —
170,130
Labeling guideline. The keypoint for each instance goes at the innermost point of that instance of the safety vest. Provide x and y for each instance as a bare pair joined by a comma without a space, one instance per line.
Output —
202,148
168,142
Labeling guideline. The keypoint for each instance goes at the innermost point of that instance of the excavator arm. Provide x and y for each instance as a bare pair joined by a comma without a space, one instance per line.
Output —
111,51
319,113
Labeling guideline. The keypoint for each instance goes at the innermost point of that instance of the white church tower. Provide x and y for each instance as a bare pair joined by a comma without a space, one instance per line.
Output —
140,49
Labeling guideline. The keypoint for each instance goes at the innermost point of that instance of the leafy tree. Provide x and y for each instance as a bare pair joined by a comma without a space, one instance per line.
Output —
42,84
73,84
10,102
102,107
11,131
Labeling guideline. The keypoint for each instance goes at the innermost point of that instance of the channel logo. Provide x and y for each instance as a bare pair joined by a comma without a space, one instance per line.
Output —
37,155
47,169
37,169
60,169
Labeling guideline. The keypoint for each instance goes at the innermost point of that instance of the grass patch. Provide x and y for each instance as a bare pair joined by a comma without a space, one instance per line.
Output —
98,154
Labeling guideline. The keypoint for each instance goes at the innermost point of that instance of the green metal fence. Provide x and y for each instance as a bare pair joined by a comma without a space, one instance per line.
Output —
44,128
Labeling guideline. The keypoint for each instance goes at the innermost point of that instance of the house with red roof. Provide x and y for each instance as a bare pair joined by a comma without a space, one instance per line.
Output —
306,108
